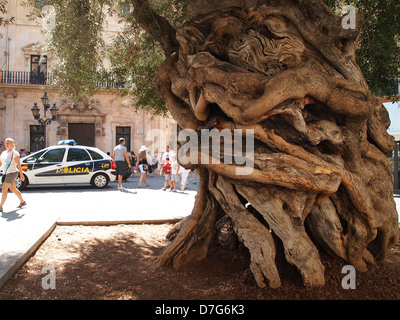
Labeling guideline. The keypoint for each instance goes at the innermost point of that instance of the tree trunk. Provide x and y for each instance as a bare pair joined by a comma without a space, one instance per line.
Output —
192,236
285,71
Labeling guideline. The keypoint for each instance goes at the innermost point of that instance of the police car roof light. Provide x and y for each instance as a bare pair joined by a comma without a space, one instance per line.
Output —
69,142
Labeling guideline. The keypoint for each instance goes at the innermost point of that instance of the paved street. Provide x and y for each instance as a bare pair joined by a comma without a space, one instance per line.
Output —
82,203
23,230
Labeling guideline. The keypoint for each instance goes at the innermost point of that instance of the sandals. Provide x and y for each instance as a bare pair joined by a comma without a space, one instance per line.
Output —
142,187
22,204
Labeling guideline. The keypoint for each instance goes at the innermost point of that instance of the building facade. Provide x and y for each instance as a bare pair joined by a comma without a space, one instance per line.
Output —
26,76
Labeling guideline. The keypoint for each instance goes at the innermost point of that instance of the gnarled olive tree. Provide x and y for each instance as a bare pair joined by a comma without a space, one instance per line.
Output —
287,70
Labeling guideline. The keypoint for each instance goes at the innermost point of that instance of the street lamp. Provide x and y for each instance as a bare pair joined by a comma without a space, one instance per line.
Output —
44,121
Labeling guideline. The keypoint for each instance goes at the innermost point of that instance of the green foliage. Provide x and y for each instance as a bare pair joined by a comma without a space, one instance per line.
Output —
74,38
378,50
135,61
3,12
135,58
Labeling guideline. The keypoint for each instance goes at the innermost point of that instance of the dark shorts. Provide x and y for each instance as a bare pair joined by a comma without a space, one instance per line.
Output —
120,167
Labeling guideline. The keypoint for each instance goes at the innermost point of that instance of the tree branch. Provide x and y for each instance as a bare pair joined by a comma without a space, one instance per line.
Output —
155,25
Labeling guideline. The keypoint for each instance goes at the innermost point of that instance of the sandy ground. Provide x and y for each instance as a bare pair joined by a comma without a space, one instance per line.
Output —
117,263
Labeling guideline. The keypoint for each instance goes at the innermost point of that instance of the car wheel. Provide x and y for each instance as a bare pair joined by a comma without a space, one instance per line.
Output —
100,180
21,185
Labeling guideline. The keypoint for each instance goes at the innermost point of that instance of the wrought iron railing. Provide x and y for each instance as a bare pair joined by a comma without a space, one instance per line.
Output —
32,78
23,77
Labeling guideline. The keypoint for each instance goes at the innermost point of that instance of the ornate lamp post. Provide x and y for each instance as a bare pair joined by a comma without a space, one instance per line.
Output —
44,121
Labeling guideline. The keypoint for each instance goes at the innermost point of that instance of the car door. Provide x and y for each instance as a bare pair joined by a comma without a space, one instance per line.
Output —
78,166
47,169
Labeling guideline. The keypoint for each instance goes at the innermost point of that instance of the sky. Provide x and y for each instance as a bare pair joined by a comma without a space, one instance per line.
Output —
394,114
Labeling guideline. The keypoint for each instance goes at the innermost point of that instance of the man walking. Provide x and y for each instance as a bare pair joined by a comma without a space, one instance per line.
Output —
120,155
167,154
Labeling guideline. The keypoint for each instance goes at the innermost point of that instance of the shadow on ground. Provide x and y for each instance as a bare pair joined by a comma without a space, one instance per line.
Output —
117,262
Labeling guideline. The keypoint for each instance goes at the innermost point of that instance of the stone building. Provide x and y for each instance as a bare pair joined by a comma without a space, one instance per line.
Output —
25,77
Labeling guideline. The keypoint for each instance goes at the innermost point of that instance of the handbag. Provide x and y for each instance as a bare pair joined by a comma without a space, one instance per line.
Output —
5,173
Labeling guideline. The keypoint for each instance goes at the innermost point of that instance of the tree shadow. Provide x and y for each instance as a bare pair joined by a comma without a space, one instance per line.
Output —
119,266
118,262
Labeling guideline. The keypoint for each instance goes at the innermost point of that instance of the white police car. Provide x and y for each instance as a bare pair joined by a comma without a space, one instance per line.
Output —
67,163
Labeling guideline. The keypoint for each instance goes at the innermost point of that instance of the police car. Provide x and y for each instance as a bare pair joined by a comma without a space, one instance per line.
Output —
67,163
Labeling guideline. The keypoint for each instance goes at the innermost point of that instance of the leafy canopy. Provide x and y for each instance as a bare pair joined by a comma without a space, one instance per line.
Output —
378,49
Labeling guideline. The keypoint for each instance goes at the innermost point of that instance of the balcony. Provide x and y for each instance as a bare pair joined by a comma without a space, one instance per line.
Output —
26,78
31,78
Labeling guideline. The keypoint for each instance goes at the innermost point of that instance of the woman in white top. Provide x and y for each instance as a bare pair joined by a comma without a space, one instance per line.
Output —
143,162
11,165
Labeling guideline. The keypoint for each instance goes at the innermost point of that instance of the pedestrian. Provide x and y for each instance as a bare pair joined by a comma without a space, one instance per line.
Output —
167,154
143,163
133,160
155,164
175,178
184,173
166,169
11,164
22,153
120,157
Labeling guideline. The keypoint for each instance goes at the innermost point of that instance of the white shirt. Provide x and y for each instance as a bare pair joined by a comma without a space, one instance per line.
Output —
175,167
9,163
166,155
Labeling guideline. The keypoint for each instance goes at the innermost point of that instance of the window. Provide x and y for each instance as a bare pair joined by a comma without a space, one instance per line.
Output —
53,155
95,155
38,69
124,132
34,157
36,137
76,154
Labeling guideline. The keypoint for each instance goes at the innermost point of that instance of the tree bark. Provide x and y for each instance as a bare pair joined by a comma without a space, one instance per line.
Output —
192,236
286,70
